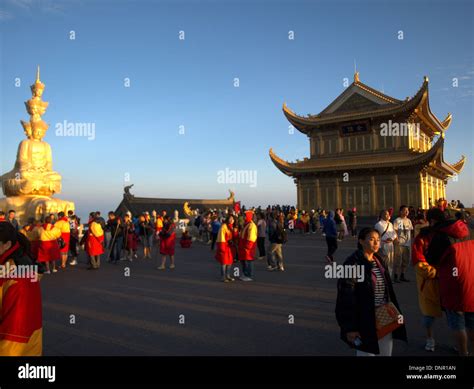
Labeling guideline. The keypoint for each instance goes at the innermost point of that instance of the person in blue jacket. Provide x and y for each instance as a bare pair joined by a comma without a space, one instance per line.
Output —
330,230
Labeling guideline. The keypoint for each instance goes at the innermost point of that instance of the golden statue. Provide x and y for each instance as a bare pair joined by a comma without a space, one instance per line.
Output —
32,180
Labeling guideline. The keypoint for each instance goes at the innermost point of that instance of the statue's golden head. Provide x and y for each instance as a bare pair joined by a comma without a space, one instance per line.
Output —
38,129
37,89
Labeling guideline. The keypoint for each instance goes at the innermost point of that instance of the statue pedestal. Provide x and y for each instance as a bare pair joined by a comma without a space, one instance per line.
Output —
34,206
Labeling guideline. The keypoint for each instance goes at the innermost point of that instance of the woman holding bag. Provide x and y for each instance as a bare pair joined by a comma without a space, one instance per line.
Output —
367,309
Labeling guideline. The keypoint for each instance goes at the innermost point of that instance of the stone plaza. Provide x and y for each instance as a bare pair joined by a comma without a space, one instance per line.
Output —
189,312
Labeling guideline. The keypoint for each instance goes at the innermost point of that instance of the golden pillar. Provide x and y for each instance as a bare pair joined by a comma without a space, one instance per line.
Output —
298,193
318,193
396,192
338,194
422,192
373,196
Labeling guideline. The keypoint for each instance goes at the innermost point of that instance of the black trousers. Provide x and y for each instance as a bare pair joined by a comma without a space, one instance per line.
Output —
332,246
261,246
214,238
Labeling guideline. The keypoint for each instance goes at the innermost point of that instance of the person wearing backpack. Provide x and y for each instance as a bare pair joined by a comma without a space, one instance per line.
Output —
452,250
278,237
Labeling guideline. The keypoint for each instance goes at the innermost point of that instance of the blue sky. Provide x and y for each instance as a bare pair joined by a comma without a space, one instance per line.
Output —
190,83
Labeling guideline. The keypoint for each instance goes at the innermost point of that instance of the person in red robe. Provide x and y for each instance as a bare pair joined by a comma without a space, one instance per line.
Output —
21,322
186,240
223,251
247,246
63,225
167,242
48,252
131,238
94,242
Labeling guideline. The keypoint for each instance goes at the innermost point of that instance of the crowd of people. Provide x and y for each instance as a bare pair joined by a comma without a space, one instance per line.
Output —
441,248
436,241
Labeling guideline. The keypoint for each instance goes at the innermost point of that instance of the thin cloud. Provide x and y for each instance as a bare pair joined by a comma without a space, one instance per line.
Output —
4,15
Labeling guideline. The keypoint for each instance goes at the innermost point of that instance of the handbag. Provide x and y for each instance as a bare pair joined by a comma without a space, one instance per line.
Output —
61,243
386,318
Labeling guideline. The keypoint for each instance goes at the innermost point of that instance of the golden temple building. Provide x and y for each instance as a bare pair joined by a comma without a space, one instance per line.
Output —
371,151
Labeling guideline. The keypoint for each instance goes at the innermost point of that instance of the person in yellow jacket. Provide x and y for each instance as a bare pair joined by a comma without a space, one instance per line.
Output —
63,225
247,246
427,282
49,247
94,242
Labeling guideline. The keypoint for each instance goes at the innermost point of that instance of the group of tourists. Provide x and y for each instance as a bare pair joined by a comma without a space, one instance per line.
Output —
441,250
237,234
437,241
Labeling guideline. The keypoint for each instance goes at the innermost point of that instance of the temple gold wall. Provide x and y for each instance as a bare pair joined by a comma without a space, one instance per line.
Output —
329,142
371,193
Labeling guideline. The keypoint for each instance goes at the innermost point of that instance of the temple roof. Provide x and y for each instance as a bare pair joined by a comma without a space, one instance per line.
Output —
138,205
360,101
432,157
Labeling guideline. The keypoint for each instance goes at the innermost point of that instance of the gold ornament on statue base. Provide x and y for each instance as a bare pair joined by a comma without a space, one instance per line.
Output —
30,185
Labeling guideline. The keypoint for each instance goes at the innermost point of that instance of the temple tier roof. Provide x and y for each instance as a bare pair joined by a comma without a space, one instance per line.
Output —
433,157
360,101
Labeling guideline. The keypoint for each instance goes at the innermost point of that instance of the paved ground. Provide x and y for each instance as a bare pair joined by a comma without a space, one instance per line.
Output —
139,314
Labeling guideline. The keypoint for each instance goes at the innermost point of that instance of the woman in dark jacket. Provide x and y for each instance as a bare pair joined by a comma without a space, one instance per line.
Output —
356,301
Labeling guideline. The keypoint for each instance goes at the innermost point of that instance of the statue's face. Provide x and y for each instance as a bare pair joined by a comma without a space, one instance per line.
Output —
38,92
38,132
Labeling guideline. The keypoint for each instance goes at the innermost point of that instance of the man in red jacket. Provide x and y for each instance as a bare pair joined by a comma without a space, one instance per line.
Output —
451,247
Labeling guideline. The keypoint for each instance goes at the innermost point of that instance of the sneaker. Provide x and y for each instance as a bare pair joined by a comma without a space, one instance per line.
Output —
231,279
272,268
246,279
269,267
47,272
281,268
224,279
430,344
395,279
172,266
161,268
402,278
73,263
135,256
55,270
